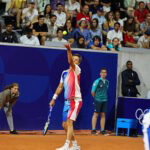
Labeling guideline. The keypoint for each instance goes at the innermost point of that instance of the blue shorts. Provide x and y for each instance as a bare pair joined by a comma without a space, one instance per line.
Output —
65,110
71,109
100,107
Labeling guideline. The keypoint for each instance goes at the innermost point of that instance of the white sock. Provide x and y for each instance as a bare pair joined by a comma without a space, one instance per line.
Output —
74,143
67,143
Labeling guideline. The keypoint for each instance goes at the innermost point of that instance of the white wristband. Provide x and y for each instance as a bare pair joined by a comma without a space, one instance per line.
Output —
55,96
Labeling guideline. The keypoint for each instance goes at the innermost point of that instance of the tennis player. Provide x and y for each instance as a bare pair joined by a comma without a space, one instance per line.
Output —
8,98
70,80
99,93
146,130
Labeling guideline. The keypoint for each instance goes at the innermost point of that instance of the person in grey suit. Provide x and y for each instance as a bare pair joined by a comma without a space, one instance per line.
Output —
8,98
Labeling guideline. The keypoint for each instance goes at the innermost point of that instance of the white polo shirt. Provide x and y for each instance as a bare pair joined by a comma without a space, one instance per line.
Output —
52,30
57,40
61,18
141,40
112,34
30,15
32,41
74,6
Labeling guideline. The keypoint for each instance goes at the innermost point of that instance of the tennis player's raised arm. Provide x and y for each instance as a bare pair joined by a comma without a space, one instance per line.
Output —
56,94
70,58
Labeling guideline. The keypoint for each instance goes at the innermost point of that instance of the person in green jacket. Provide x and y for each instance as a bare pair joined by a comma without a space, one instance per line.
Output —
99,93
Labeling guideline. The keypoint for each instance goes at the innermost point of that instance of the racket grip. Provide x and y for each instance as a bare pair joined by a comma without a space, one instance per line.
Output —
51,107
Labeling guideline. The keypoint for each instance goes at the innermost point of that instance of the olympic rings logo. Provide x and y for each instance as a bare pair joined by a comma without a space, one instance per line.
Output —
139,114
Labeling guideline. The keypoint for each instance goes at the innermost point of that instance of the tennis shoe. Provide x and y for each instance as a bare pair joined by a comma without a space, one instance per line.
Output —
65,147
75,148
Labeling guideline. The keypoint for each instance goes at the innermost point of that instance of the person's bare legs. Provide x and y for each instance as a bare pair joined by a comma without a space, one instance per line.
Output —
64,125
102,121
94,120
70,131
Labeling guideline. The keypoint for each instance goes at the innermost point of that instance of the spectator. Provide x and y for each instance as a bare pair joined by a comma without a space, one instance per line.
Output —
130,25
59,37
108,25
96,44
69,31
144,41
129,41
118,19
72,8
81,31
86,2
110,21
84,15
40,29
14,8
95,29
130,80
29,39
145,1
61,16
41,5
115,33
140,13
131,29
146,24
100,16
129,3
114,46
52,27
55,2
79,43
106,5
9,36
118,5
47,13
130,12
94,7
29,14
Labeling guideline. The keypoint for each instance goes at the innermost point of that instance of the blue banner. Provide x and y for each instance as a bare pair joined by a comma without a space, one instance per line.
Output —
127,108
38,70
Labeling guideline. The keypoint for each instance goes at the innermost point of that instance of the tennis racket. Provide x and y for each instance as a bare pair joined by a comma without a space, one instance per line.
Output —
48,121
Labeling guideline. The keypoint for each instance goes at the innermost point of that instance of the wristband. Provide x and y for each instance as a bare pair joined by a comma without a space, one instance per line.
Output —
55,96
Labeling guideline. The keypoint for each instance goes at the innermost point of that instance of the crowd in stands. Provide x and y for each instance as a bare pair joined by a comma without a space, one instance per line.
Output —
93,24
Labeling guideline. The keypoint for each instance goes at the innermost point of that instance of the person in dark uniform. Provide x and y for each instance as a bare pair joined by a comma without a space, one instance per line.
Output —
130,80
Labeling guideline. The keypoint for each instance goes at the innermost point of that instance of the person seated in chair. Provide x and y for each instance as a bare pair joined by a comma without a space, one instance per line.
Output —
9,36
96,44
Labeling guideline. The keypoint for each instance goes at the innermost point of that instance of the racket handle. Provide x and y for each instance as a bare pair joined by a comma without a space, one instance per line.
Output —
51,107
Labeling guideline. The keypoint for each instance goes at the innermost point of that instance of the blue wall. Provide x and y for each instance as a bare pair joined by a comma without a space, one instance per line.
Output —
128,106
38,71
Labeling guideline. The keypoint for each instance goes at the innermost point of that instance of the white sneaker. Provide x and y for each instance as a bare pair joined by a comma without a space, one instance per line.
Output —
63,148
75,148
